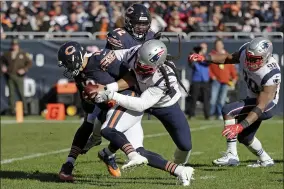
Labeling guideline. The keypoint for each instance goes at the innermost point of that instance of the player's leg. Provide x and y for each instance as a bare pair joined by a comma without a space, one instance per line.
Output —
230,112
177,126
247,137
79,141
95,139
135,137
118,121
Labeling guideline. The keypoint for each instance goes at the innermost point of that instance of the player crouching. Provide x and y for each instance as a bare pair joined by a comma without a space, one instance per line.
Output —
243,118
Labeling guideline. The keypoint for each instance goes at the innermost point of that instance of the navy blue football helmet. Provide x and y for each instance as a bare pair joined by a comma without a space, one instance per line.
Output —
71,56
137,20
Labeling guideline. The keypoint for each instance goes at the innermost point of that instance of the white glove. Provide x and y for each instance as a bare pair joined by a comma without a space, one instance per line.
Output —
103,96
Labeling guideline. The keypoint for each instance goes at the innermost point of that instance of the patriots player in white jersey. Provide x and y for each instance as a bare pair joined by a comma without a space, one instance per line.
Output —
159,86
243,118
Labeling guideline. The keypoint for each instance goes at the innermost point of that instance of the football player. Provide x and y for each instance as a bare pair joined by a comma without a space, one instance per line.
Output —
121,127
158,83
243,118
90,68
136,31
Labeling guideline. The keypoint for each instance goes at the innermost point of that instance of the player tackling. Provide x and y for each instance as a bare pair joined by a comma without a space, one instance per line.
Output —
242,118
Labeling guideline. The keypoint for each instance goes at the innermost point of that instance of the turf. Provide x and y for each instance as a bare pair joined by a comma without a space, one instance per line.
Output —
39,136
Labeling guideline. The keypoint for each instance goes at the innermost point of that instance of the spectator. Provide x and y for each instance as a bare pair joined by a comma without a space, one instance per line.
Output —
6,22
199,83
41,21
73,25
192,25
15,64
60,18
175,24
221,75
157,24
233,16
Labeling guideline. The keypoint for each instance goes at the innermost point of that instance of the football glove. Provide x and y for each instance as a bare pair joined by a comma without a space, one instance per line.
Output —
196,58
104,96
231,131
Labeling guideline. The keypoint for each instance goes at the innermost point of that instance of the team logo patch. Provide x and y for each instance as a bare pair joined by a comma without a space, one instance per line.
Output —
130,10
157,56
265,45
70,50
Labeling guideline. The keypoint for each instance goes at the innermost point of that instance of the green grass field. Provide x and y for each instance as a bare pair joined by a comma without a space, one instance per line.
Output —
33,152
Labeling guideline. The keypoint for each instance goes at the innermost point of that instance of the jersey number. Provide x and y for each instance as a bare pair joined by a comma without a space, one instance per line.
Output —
120,31
252,85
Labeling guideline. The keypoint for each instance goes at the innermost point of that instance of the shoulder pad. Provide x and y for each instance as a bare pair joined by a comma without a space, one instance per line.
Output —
114,39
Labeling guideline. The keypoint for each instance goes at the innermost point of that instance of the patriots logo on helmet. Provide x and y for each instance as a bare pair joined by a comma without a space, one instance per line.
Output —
157,56
265,45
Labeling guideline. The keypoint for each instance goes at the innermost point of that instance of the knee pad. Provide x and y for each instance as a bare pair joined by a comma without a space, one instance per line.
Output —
106,131
181,157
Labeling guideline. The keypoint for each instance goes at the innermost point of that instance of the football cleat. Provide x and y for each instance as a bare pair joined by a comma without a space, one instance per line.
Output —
186,176
92,141
267,163
112,167
228,159
136,161
65,173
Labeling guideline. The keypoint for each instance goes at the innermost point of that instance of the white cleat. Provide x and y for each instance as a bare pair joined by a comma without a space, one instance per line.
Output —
186,176
135,161
92,141
228,159
267,163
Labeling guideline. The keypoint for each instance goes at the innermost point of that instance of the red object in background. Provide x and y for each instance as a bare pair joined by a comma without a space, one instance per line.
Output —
68,88
55,111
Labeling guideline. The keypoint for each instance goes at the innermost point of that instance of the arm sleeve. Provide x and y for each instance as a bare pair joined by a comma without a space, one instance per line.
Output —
147,99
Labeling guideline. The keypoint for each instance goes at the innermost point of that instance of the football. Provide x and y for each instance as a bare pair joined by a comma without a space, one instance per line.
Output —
90,90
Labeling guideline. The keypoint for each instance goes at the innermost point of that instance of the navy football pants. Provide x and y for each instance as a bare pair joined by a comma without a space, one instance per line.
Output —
240,109
176,124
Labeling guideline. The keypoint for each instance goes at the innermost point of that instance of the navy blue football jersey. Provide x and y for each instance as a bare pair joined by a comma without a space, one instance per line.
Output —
119,38
103,67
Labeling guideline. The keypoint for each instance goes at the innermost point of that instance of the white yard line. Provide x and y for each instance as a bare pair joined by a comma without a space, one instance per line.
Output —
7,161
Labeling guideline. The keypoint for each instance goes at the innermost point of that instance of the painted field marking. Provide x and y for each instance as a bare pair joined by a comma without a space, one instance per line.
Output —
11,160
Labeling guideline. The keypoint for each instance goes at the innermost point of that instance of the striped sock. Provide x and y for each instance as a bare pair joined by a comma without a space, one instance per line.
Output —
127,148
171,168
256,148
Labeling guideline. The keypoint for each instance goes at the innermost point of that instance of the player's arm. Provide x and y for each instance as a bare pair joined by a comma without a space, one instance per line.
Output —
264,98
224,58
147,99
127,81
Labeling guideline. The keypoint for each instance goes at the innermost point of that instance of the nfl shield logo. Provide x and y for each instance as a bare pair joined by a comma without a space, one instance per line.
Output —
157,56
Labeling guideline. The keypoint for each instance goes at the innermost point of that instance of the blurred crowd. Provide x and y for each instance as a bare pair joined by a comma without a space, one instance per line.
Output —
171,16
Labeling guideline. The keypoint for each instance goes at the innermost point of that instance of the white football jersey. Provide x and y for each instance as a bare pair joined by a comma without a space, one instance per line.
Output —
156,82
267,75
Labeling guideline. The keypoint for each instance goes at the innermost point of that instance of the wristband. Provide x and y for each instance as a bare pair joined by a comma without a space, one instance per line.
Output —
112,86
244,123
257,110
